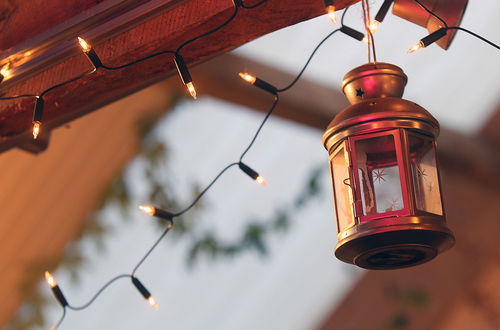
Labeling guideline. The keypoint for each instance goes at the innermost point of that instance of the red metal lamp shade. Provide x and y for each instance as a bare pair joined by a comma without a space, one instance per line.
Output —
385,174
451,11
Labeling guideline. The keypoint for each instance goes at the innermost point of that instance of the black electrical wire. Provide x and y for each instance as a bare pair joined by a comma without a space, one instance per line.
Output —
268,114
98,293
474,34
255,5
155,244
457,27
67,82
284,89
200,195
126,65
431,12
187,42
61,319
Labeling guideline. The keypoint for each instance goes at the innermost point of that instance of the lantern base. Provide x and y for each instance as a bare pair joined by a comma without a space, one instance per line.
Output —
397,246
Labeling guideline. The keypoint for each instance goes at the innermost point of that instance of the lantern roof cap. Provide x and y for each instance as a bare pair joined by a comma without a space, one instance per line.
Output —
374,80
372,114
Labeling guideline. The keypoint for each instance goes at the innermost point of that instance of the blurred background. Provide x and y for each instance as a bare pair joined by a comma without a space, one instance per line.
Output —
253,257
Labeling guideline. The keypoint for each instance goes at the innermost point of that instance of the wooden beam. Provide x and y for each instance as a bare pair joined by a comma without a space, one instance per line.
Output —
165,30
315,105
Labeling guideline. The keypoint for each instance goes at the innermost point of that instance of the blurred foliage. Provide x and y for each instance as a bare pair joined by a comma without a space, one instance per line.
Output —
408,300
153,153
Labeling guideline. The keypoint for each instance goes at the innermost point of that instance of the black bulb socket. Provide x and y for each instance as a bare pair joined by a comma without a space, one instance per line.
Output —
382,12
352,33
93,58
59,296
248,171
163,214
433,37
264,85
141,288
182,69
38,112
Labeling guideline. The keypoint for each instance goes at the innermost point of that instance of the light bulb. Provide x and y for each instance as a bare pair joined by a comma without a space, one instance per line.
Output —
191,89
331,13
85,46
4,72
148,209
366,39
153,303
247,77
260,180
415,47
36,129
50,280
373,26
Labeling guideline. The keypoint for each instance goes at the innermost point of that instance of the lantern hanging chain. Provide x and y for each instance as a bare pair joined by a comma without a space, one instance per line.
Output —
365,24
369,35
202,193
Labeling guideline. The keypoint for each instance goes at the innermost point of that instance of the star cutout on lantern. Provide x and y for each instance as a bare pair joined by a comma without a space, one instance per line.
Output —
378,175
360,92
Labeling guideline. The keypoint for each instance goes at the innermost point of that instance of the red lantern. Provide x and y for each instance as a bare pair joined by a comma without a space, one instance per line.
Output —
385,174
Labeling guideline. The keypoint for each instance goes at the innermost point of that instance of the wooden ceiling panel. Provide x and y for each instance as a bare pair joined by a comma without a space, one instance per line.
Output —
165,30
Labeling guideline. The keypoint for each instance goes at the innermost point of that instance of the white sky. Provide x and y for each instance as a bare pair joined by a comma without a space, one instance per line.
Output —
291,289
301,281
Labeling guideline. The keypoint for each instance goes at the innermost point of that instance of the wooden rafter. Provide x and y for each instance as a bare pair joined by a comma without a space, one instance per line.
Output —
166,29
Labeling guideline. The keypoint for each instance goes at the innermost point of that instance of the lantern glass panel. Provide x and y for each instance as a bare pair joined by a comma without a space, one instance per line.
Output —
378,174
342,190
425,174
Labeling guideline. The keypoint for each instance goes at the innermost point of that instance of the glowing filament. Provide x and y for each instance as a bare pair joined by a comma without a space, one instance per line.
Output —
191,89
260,180
36,129
148,209
415,47
153,303
373,26
330,10
247,77
85,46
4,71
50,280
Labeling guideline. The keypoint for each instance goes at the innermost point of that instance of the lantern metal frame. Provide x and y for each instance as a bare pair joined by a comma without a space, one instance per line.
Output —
401,238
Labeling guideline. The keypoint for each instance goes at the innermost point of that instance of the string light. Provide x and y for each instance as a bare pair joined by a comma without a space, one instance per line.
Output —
253,174
382,12
257,82
51,281
145,293
4,72
430,39
353,33
37,116
330,10
156,212
184,74
181,66
90,53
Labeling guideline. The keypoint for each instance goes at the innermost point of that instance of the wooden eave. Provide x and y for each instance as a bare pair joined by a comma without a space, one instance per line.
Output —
120,31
